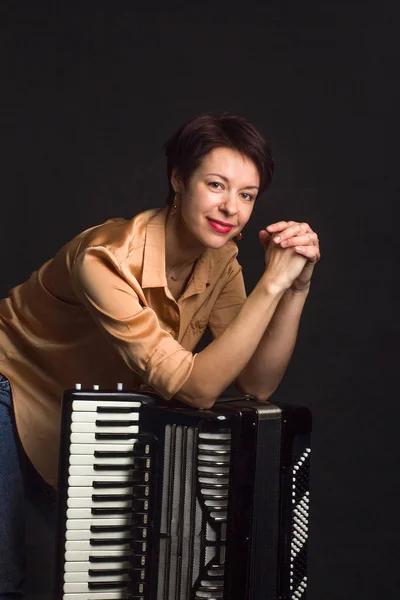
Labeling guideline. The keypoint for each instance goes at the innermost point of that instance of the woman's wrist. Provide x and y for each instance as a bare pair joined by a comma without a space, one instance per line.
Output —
271,286
300,289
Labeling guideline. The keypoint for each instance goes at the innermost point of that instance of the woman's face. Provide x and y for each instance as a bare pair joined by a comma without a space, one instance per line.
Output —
217,201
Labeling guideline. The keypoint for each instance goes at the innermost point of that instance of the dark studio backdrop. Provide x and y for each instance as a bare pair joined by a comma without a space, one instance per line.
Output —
90,92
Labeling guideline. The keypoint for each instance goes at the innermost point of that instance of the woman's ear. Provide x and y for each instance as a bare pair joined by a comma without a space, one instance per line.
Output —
176,181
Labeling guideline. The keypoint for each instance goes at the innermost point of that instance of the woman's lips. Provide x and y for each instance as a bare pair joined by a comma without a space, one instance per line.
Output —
220,228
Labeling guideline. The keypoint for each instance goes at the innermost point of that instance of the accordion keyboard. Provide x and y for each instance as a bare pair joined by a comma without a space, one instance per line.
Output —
107,502
158,501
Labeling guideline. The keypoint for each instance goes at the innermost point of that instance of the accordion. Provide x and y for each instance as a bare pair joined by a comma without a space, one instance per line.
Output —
159,501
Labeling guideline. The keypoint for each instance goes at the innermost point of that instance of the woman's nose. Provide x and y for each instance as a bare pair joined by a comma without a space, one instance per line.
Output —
229,205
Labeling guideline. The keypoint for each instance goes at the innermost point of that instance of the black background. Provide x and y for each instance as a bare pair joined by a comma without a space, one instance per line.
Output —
90,92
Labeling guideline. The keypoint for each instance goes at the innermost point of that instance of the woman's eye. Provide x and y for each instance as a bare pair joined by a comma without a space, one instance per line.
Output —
214,184
248,196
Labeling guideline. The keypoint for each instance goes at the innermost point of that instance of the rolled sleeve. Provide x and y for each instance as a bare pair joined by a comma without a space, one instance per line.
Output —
117,305
229,301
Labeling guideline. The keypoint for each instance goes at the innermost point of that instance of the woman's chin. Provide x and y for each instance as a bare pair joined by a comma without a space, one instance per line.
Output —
216,241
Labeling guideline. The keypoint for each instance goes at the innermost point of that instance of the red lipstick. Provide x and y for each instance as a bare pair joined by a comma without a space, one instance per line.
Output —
220,226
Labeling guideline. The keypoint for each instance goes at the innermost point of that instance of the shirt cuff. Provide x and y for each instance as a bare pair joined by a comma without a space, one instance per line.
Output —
168,368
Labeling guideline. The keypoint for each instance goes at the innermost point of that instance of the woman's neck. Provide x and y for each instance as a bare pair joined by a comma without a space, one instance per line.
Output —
181,248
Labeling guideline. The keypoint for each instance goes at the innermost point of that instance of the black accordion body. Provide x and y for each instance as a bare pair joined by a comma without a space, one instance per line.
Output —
158,501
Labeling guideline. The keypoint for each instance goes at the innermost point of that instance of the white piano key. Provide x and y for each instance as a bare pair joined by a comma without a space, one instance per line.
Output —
87,523
90,459
93,405
86,513
88,491
82,481
111,595
88,470
79,577
90,438
82,556
80,545
86,534
93,428
79,567
87,502
105,446
90,417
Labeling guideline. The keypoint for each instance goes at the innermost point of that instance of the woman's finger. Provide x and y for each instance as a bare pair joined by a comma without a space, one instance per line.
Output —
264,237
293,230
307,239
279,226
310,252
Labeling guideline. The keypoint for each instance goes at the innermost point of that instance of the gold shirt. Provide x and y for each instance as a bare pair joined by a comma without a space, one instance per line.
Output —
101,312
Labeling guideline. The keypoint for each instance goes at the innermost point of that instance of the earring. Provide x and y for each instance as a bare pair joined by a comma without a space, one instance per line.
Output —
239,236
174,207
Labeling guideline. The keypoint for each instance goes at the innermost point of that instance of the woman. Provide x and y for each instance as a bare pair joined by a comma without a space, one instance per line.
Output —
127,301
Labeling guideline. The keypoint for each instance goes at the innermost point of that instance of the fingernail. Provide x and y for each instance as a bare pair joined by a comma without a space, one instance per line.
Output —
277,239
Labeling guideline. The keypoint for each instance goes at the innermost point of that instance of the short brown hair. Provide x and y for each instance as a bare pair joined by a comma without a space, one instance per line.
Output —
200,135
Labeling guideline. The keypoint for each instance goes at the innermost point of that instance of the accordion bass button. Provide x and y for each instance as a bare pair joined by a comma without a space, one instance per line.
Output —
138,547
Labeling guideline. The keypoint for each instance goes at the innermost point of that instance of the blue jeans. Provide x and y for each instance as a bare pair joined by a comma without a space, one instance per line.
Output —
12,501
18,481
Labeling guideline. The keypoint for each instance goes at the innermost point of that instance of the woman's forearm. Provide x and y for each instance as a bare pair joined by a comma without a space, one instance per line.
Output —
265,369
222,360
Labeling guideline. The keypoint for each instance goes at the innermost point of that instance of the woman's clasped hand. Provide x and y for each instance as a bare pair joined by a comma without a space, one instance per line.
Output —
291,252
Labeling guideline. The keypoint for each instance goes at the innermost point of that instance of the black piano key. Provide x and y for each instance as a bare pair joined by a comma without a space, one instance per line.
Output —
111,484
113,453
138,561
104,423
138,533
136,575
110,541
116,409
112,467
108,585
106,559
111,511
110,497
116,436
138,494
109,528
108,572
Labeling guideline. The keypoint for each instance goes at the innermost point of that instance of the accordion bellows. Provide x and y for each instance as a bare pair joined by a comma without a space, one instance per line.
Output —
158,501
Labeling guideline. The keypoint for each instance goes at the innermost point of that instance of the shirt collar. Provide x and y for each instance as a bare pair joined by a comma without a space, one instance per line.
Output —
153,274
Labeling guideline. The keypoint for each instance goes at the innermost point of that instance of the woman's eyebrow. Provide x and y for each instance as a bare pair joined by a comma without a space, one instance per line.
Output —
227,180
